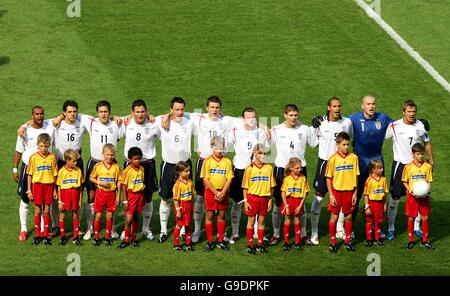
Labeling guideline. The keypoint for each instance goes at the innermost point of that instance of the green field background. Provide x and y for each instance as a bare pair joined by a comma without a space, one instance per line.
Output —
263,54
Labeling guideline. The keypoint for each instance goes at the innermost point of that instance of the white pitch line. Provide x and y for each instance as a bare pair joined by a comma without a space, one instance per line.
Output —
403,44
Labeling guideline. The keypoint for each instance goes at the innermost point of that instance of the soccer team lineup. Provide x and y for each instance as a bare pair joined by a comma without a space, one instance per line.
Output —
266,177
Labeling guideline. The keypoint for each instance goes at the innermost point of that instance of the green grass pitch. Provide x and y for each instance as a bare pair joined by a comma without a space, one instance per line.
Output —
251,53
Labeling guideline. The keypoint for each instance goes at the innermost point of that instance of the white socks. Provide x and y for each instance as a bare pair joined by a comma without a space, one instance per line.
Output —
199,210
164,213
392,212
235,217
340,223
303,224
276,220
315,214
23,214
417,222
80,212
90,217
147,216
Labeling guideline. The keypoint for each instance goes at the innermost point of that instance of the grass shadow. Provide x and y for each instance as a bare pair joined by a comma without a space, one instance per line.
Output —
3,12
4,60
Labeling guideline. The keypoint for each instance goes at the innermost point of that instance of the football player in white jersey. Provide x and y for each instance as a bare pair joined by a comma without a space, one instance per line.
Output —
325,136
175,147
206,126
244,135
26,146
404,133
290,139
139,132
102,130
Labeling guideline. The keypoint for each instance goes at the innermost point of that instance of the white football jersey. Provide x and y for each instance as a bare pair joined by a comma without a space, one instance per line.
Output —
100,134
28,145
206,128
69,136
176,142
404,136
291,142
244,141
142,136
325,135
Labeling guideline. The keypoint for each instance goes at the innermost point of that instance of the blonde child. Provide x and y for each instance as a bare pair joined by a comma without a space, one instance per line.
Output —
70,193
106,175
375,204
42,173
258,183
294,190
183,197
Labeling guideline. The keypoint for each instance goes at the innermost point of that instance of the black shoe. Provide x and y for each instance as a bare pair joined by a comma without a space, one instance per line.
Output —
47,241
162,238
250,250
209,247
96,242
369,243
307,241
189,248
333,248
286,247
224,246
299,247
55,232
379,242
37,240
178,248
63,240
77,241
410,245
183,237
109,242
261,249
124,244
349,247
135,244
427,245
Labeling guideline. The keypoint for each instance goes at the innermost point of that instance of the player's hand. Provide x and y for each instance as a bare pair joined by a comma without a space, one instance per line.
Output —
297,210
385,208
368,212
117,201
151,118
247,206
354,199
165,121
55,195
179,214
269,205
60,206
125,206
21,132
332,200
118,120
30,196
286,211
316,121
15,177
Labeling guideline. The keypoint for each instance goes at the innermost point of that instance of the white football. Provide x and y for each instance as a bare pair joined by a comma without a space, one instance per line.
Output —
421,188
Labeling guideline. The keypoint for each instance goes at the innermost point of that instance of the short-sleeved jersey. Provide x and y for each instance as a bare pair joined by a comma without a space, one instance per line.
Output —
43,169
69,136
325,135
100,134
244,141
258,180
176,142
376,189
143,136
28,145
343,170
69,178
295,186
109,173
369,134
183,191
206,128
133,178
217,171
291,142
404,136
413,173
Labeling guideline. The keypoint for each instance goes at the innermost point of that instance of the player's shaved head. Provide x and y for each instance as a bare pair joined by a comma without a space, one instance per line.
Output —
36,108
368,98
